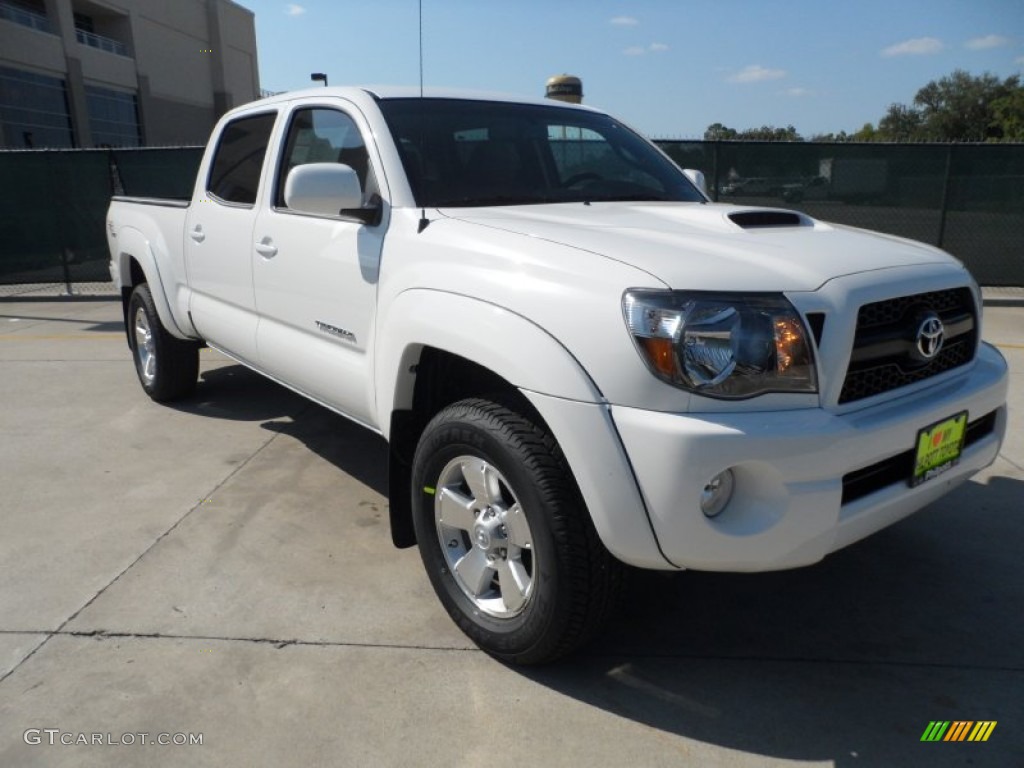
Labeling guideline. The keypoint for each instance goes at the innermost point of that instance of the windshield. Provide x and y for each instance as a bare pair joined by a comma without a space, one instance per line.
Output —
470,153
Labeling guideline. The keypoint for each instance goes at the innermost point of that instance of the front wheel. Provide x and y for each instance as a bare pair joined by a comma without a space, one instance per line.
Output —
167,366
505,537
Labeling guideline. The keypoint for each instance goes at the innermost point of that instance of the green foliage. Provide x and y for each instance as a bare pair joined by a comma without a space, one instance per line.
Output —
719,132
901,123
1008,115
958,107
866,133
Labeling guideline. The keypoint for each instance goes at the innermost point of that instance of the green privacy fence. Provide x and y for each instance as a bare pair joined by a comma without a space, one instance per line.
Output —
966,198
54,206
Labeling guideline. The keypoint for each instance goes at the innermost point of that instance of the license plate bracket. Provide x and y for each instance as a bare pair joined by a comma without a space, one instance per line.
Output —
938,448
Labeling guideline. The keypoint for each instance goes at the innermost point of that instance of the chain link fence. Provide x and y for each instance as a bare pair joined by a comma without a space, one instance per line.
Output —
965,198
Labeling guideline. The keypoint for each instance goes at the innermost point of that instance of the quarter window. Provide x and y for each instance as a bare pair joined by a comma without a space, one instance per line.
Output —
235,171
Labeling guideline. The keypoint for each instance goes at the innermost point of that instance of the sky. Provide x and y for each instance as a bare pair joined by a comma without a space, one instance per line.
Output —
670,68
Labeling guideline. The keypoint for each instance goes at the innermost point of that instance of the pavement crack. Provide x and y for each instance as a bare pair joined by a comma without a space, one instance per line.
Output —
99,633
280,644
1011,462
276,642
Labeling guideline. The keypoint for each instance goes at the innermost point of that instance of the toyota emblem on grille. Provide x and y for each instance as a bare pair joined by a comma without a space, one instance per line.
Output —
930,335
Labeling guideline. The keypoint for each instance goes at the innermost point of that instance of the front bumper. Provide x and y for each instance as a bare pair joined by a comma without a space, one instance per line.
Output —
787,508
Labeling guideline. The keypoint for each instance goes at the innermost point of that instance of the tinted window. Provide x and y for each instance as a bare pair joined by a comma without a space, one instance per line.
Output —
113,117
464,153
33,110
320,135
235,171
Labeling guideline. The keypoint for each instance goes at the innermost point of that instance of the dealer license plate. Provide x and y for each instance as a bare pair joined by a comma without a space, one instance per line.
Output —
938,448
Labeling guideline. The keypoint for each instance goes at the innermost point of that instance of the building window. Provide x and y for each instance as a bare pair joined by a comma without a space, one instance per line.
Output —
86,34
113,117
27,13
34,110
84,23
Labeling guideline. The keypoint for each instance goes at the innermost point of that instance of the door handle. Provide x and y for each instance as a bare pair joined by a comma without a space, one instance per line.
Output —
197,233
266,248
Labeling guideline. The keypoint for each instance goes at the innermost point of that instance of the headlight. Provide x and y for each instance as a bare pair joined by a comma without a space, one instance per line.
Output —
722,345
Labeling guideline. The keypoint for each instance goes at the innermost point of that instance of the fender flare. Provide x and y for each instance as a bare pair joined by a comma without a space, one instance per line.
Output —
552,380
133,244
490,335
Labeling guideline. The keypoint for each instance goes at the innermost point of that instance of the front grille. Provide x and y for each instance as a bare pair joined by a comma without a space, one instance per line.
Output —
899,468
883,356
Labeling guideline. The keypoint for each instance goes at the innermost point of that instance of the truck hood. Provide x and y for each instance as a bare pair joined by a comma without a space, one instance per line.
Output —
716,247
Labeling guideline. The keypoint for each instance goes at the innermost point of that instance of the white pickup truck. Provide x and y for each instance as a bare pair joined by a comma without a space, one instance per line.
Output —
578,360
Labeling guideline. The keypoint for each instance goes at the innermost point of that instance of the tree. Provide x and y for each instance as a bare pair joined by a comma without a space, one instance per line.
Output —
901,123
771,133
719,132
1008,115
833,137
867,132
959,107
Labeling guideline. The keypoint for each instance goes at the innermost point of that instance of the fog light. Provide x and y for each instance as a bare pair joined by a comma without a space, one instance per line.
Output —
716,493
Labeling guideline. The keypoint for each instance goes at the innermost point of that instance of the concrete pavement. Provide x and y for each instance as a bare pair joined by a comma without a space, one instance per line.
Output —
224,568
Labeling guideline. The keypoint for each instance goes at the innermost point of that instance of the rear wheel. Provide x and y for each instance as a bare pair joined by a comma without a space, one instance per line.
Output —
167,366
505,537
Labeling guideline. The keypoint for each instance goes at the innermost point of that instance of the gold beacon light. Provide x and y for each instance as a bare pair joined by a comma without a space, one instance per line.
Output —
565,88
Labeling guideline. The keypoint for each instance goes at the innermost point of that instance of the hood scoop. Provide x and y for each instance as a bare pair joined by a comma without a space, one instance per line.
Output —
769,219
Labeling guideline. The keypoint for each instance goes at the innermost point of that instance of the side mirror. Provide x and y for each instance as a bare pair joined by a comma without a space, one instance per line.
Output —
326,189
697,177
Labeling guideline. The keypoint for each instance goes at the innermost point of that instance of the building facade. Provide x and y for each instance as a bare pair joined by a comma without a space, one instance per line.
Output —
93,73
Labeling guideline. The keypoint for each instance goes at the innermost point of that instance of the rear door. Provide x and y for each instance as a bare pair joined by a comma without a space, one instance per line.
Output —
218,237
315,276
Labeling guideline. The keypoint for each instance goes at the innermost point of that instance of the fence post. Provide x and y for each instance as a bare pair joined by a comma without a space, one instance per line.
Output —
714,170
945,195
66,257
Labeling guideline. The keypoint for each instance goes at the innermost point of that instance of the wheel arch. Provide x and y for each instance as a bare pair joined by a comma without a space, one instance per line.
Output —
442,347
138,263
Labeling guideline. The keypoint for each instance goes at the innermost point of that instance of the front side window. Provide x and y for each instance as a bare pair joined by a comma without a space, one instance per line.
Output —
321,135
470,153
238,161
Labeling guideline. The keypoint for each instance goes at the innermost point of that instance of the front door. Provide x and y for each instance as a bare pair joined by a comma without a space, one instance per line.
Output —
315,277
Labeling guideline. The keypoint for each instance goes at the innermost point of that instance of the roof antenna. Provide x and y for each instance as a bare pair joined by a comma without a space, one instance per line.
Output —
424,221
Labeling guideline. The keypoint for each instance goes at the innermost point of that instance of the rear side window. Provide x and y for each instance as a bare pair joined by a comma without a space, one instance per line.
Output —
235,171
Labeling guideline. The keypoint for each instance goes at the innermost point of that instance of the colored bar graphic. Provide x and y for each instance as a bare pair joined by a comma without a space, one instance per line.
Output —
958,730
935,731
982,730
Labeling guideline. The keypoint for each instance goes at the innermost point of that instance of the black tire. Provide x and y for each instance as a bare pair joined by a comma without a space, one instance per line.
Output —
574,583
167,367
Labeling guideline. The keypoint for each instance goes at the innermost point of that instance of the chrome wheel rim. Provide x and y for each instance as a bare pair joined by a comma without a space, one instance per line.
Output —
485,537
145,347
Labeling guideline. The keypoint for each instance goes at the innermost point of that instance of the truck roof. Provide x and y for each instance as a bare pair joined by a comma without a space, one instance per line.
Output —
357,93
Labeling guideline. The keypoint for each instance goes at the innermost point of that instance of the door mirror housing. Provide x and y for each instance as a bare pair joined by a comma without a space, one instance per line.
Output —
697,177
